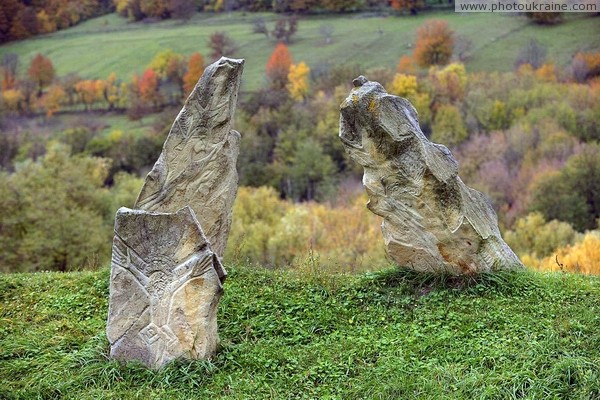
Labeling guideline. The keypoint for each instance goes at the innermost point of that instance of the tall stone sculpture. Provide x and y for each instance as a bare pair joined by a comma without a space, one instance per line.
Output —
197,166
432,220
166,275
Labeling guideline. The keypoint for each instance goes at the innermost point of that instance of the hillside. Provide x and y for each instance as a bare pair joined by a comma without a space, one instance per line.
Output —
384,335
108,44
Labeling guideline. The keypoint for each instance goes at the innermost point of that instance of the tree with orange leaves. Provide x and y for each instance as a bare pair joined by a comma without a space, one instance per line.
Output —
194,72
89,92
406,65
148,88
435,43
278,66
41,71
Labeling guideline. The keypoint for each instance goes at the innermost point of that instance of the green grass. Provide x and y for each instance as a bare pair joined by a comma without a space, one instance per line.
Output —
100,46
384,335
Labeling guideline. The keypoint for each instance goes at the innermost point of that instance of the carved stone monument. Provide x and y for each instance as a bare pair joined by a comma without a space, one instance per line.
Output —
197,166
164,288
432,220
166,277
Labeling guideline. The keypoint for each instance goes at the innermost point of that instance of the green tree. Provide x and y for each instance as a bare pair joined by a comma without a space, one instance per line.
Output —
448,126
573,194
534,236
56,214
306,172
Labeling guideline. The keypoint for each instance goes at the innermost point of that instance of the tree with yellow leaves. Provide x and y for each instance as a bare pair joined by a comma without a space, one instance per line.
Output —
403,85
13,99
54,99
89,92
110,91
582,257
162,61
298,81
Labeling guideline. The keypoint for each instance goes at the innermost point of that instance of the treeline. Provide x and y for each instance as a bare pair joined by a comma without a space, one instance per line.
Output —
182,9
167,78
20,19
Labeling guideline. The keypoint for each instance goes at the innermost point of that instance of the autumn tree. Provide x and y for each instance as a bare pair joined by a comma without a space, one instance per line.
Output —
435,43
54,99
45,23
449,83
585,66
89,92
155,8
403,85
221,45
162,61
194,72
41,71
406,65
111,91
13,100
298,81
148,88
278,66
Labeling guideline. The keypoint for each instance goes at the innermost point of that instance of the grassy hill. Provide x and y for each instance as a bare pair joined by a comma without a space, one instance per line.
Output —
384,335
108,44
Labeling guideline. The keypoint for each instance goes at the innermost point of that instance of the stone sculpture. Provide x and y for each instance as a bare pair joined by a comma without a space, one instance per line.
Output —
164,288
432,220
166,277
197,166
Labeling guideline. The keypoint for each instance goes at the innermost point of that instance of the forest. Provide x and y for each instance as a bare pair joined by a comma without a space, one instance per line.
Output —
528,138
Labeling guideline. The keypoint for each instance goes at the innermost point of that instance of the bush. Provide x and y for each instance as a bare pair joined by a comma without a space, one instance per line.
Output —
276,233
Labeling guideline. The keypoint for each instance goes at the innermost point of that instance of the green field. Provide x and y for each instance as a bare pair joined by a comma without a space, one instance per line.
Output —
286,335
100,46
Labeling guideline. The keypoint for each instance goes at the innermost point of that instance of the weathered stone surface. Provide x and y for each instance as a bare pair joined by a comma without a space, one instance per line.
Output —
164,288
166,278
197,166
432,220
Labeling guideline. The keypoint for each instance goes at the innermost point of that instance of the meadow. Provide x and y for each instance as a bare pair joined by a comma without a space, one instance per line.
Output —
110,43
309,335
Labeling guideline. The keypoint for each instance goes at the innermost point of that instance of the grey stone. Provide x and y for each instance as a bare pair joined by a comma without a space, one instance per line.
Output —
432,220
166,277
164,288
197,166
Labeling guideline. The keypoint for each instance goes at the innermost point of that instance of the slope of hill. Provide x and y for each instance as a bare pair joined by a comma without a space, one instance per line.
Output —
384,335
108,44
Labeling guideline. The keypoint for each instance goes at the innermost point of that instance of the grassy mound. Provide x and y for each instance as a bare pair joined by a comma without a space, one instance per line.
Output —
385,335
